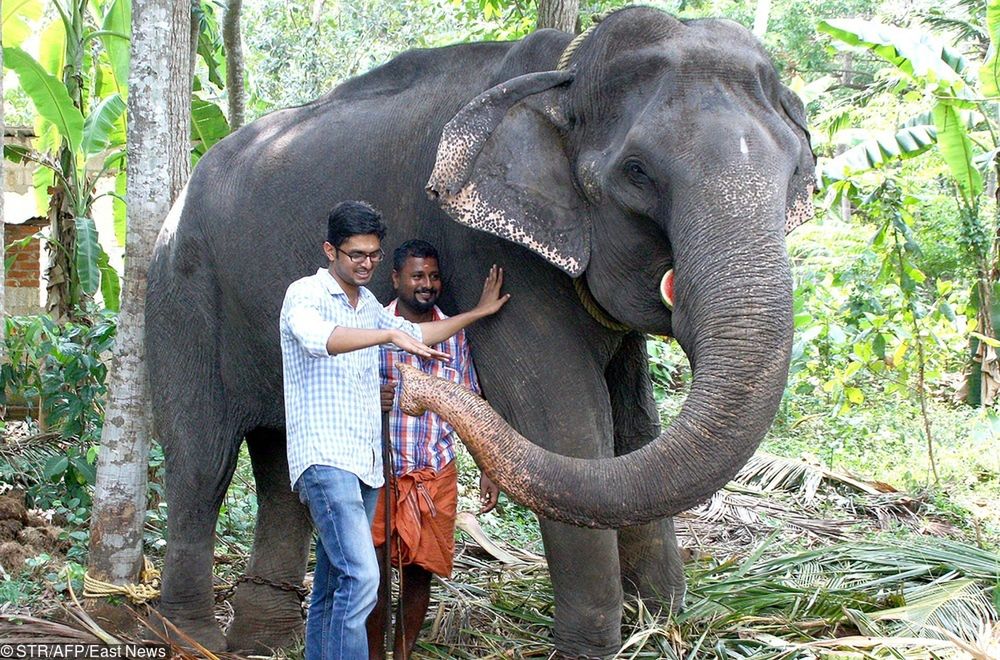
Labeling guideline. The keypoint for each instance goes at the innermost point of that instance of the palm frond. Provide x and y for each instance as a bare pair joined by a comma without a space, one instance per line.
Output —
769,473
959,606
28,455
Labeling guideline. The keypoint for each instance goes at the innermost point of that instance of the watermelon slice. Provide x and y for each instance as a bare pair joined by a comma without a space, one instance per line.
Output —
667,289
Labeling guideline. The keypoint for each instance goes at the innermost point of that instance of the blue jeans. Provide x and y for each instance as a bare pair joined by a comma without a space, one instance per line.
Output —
345,584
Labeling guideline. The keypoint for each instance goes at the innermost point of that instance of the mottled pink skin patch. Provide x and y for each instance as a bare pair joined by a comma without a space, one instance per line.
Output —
801,210
468,208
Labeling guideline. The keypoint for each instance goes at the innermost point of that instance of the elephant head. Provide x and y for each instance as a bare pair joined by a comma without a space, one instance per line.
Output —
663,150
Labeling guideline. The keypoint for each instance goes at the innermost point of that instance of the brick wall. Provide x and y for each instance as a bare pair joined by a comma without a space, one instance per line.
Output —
24,271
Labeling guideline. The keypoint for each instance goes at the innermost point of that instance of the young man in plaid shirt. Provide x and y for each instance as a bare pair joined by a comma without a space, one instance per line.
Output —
424,490
330,326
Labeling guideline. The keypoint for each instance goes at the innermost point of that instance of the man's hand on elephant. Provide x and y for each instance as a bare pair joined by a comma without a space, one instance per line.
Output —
489,493
491,299
411,345
387,393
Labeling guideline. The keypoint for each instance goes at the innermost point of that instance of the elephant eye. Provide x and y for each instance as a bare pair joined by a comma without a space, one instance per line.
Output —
634,172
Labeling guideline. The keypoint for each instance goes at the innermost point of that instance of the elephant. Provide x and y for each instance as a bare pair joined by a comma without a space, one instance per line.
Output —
649,153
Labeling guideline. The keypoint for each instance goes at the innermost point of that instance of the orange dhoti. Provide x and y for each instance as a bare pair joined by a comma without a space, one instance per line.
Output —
423,519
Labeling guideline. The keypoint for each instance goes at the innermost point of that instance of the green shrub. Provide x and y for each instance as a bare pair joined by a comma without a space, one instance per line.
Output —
58,372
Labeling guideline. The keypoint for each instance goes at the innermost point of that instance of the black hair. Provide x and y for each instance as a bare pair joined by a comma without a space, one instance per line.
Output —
353,218
413,248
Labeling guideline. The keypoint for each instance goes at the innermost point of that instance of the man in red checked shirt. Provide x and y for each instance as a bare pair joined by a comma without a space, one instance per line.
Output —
425,484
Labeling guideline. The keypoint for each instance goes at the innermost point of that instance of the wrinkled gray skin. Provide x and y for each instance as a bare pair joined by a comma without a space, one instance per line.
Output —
667,144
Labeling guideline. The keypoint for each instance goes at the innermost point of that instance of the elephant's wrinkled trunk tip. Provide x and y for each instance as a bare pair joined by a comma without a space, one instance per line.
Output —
411,380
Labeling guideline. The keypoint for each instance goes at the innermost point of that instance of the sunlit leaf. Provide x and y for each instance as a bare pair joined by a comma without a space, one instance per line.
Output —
111,285
52,48
118,206
878,150
916,53
118,22
48,94
41,180
989,73
956,149
16,16
100,124
959,606
897,355
990,341
87,253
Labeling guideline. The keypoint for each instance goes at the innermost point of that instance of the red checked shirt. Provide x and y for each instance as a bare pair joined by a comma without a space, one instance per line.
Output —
428,440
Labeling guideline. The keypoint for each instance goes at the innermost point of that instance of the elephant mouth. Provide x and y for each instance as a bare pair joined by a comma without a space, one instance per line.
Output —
667,289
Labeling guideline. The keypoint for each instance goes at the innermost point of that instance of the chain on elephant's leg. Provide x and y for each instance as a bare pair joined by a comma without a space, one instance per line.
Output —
267,606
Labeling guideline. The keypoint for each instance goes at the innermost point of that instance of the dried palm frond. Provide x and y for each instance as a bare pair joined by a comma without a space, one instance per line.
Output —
17,629
28,455
910,648
770,473
773,473
958,606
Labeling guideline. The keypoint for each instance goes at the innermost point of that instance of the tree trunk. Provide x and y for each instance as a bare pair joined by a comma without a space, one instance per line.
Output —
558,14
195,28
233,41
159,117
761,18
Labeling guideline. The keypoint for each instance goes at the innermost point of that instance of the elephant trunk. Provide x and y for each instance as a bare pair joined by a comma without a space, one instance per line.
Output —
733,317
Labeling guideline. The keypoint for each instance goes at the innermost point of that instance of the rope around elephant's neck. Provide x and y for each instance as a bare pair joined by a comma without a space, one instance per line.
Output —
573,45
594,308
580,283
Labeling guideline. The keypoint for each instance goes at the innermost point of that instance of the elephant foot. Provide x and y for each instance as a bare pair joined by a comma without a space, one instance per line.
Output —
585,644
205,632
659,599
266,617
264,636
559,655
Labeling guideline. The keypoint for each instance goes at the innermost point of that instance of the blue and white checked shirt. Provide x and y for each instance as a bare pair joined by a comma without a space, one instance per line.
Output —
333,415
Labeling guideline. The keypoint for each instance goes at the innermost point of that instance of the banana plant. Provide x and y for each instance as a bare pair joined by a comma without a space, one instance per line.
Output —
963,100
78,85
79,94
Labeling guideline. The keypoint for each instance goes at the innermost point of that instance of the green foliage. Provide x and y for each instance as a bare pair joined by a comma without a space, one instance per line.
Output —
667,367
208,126
79,98
294,55
49,95
942,77
210,47
77,85
59,373
859,324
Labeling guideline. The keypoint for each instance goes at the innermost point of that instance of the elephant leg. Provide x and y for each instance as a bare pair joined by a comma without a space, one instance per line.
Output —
587,590
554,390
198,474
651,566
267,617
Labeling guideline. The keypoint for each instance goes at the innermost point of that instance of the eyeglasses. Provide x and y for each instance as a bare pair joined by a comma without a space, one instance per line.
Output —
359,257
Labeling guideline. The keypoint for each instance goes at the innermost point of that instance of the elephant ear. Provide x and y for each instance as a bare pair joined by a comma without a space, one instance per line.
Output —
501,168
800,189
